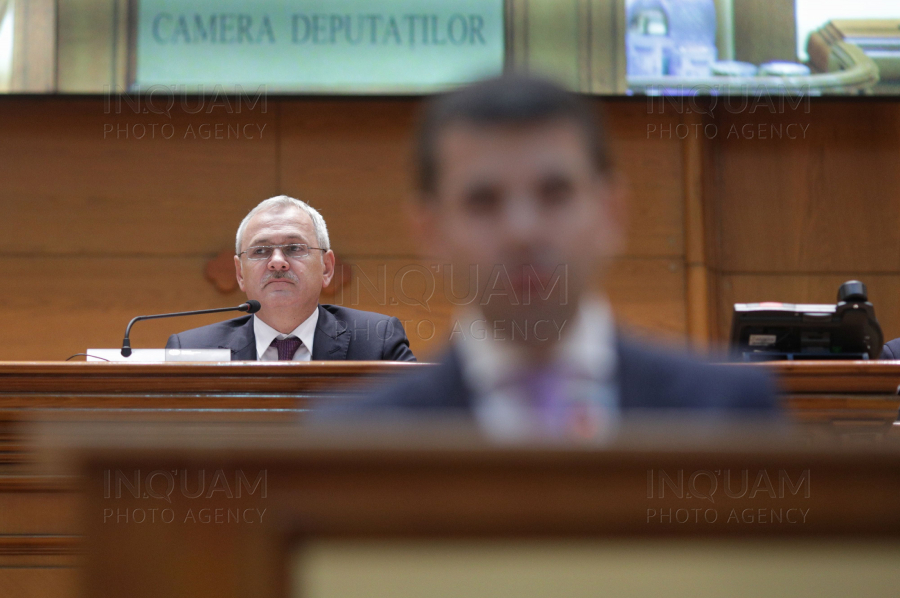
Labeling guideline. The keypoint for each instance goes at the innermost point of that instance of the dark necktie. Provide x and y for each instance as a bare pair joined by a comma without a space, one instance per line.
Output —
287,347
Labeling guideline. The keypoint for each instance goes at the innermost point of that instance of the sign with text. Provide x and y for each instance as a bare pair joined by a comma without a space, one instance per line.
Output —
336,46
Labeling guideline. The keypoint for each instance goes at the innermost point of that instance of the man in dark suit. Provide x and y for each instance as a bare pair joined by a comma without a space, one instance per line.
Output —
284,260
518,195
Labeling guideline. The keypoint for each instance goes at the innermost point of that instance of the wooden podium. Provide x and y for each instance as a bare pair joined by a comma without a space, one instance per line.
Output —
277,511
40,529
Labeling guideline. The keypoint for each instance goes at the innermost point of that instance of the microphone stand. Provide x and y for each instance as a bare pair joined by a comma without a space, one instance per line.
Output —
249,307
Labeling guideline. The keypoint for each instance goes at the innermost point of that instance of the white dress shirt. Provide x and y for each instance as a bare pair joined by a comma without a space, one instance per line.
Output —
265,334
586,353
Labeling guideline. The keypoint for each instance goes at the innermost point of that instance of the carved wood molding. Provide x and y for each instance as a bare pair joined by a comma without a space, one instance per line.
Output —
220,272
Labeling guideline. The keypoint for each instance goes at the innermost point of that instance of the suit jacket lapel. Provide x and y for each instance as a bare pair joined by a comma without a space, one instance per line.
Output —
331,341
242,342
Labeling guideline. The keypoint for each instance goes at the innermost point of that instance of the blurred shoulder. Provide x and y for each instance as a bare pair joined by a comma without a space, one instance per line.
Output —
426,388
659,377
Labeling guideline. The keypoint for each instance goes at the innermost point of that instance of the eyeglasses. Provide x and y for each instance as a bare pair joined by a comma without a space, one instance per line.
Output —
297,251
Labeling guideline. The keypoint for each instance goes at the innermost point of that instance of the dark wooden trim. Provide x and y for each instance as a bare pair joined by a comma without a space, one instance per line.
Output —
266,378
877,377
37,483
273,377
40,545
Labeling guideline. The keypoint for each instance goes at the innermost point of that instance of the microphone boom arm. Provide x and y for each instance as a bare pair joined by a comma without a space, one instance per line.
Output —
250,307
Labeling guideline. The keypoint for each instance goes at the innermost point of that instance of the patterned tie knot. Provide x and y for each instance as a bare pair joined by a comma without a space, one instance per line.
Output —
287,347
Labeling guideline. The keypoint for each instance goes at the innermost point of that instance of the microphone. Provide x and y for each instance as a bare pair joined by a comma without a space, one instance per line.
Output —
251,307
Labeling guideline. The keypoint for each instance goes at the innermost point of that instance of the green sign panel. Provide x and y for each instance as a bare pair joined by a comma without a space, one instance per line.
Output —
338,46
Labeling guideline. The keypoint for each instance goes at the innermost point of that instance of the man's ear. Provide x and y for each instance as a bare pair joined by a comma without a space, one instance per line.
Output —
424,222
238,274
328,270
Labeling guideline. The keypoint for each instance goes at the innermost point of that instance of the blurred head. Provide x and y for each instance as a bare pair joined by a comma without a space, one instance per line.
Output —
288,288
515,179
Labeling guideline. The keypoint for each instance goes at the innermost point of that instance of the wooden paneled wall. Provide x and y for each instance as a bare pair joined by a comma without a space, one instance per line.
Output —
794,218
106,218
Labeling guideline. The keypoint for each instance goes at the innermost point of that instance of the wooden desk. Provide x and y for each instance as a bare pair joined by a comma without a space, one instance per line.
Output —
860,396
239,391
851,392
425,501
813,391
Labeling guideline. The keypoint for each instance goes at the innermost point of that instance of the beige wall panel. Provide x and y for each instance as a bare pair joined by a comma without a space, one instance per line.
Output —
652,168
53,513
125,226
40,582
884,293
829,202
409,289
78,329
350,159
75,191
647,295
87,302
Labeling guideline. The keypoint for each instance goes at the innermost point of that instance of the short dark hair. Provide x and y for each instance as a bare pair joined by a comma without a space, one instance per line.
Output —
506,100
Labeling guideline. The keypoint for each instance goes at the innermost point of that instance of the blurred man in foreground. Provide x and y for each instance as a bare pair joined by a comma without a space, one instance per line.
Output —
517,191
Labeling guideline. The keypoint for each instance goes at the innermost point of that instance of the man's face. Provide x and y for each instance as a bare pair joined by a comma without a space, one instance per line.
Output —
526,206
283,283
